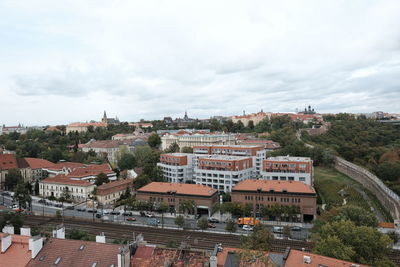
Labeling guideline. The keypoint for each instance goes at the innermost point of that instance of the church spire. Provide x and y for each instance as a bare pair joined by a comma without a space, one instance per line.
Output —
105,115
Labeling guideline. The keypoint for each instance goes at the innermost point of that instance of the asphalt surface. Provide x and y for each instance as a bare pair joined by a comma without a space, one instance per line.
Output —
168,221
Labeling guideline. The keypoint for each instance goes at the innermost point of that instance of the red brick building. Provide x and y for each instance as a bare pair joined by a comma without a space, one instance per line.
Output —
287,193
173,194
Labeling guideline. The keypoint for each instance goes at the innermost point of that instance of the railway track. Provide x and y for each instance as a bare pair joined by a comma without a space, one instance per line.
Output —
159,236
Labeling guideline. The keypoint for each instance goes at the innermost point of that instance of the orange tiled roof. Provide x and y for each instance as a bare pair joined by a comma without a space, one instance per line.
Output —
277,186
296,258
103,144
35,163
71,255
90,170
113,187
66,164
184,189
262,259
18,254
386,225
8,161
63,179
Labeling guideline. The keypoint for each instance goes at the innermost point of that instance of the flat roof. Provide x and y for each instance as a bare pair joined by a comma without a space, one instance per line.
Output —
180,189
224,157
289,158
277,186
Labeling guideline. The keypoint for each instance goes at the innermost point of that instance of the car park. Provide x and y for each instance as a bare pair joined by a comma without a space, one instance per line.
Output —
247,227
213,220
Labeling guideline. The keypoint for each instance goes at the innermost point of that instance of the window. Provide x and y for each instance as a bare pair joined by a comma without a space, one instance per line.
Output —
57,261
302,179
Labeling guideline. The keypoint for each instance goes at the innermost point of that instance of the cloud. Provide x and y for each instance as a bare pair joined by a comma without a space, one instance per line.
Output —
153,59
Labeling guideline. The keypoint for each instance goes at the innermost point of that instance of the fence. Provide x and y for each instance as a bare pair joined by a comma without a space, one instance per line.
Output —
386,196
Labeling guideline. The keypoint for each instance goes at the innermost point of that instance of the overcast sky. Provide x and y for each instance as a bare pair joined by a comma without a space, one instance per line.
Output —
67,61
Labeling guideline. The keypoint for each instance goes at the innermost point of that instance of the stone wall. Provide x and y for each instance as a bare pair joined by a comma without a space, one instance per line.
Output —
387,197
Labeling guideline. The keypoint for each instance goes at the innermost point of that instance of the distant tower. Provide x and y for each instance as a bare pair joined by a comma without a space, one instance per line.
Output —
104,120
186,116
244,112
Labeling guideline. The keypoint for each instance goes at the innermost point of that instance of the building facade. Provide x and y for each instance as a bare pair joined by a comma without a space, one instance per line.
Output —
268,193
61,185
223,172
108,194
288,169
257,153
177,167
191,140
174,194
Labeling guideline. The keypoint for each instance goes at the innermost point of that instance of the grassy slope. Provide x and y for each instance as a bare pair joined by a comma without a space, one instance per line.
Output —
328,182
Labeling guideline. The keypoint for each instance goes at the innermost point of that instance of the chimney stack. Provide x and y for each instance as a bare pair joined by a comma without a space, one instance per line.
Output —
59,232
8,229
5,242
101,238
26,231
35,245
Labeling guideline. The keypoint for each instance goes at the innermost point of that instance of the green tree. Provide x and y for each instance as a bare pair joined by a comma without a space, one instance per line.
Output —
180,221
154,140
13,177
260,239
101,179
127,161
357,215
333,247
231,226
187,149
187,206
173,148
21,195
202,223
141,181
12,218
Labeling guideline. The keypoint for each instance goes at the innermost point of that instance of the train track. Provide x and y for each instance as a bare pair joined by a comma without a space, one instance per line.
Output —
159,236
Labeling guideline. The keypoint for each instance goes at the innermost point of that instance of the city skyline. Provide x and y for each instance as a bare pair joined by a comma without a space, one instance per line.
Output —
67,62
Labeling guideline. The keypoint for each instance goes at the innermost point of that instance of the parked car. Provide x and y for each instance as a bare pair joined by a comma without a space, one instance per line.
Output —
210,225
92,211
114,212
277,229
81,209
127,213
5,194
149,215
58,205
247,227
213,220
131,219
41,201
70,208
142,213
106,211
295,228
153,222
98,215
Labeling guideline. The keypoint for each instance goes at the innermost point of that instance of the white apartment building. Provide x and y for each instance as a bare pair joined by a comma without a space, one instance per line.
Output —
286,168
187,140
257,153
223,172
177,167
78,190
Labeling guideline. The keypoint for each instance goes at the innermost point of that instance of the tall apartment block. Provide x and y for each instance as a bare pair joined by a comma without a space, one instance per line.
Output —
223,172
177,167
257,153
288,169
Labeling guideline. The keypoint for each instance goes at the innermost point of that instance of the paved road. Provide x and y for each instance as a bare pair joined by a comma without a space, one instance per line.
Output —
40,208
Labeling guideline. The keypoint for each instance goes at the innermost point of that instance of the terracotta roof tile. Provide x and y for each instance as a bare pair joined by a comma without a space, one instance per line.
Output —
296,258
35,163
185,189
63,179
277,186
18,254
102,144
71,255
113,187
90,170
8,161
66,164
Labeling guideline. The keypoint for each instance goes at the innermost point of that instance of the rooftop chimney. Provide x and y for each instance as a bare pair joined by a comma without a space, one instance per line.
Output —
101,238
59,232
5,242
8,229
26,231
35,245
306,259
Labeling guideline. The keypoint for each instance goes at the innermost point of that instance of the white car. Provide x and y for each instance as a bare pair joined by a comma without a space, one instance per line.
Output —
247,227
277,229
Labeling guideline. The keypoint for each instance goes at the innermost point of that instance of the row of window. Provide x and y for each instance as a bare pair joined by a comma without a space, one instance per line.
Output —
282,199
284,178
284,165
